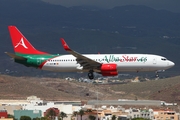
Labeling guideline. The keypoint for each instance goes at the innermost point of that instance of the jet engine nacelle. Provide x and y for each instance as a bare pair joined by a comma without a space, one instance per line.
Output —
109,69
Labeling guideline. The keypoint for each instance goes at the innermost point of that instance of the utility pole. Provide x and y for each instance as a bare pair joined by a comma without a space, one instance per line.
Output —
97,102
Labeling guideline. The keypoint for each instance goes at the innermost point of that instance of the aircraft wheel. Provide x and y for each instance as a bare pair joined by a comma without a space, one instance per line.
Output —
91,75
157,75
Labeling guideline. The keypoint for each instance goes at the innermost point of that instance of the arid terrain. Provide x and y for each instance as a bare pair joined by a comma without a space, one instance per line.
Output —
58,89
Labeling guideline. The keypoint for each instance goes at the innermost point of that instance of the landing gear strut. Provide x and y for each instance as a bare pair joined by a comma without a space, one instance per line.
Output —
159,71
91,75
157,75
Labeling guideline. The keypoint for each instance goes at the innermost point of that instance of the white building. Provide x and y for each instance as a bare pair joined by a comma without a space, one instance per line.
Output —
143,113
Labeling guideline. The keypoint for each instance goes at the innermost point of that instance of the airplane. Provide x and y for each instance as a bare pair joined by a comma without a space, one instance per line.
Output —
104,64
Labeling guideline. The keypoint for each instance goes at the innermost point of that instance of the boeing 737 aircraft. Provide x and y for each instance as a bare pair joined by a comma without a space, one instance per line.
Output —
104,64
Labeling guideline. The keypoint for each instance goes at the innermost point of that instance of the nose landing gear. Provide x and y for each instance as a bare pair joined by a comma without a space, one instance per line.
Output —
157,73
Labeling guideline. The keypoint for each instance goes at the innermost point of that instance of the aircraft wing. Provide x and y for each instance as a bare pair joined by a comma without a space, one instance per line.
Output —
84,61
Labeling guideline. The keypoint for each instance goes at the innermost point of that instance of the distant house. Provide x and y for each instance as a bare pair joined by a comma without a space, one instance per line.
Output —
10,108
86,115
165,115
3,114
140,113
31,113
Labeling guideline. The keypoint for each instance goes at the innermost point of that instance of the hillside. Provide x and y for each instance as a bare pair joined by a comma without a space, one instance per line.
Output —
163,89
59,89
46,88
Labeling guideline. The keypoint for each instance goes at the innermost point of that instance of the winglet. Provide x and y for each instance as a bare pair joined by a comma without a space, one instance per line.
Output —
66,47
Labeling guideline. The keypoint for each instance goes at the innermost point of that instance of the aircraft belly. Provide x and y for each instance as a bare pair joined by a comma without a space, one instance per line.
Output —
59,67
137,67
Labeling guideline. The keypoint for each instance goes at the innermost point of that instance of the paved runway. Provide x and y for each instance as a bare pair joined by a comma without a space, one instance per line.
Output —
125,102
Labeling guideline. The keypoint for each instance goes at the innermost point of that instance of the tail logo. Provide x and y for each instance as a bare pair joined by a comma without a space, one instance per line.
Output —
65,45
21,42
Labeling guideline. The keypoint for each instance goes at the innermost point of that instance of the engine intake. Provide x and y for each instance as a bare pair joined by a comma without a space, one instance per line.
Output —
109,70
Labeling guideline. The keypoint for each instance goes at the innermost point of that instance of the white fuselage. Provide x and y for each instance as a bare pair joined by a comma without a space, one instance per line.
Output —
125,62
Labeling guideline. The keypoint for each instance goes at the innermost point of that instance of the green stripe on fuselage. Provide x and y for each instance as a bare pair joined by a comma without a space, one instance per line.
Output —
34,60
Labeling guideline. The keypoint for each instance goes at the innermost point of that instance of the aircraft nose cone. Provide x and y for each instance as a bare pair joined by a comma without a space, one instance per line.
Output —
171,63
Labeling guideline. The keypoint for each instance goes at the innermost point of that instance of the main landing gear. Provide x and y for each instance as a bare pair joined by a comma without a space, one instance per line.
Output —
91,75
157,75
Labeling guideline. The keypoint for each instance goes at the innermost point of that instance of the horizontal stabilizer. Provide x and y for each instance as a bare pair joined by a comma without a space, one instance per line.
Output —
15,56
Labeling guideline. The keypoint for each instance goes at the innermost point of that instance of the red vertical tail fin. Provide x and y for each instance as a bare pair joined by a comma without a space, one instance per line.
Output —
20,43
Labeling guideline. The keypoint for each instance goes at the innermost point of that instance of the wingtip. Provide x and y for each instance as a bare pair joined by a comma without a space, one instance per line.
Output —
65,46
11,26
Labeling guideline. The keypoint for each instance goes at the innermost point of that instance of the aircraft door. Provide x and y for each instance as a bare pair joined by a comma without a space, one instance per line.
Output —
154,61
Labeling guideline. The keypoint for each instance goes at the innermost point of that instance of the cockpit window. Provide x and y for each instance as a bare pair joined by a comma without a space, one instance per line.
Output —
164,59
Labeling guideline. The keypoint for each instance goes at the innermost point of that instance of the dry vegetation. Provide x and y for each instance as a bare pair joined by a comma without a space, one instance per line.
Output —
59,89
163,89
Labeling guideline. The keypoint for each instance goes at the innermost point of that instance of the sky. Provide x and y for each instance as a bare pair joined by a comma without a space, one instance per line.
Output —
170,5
